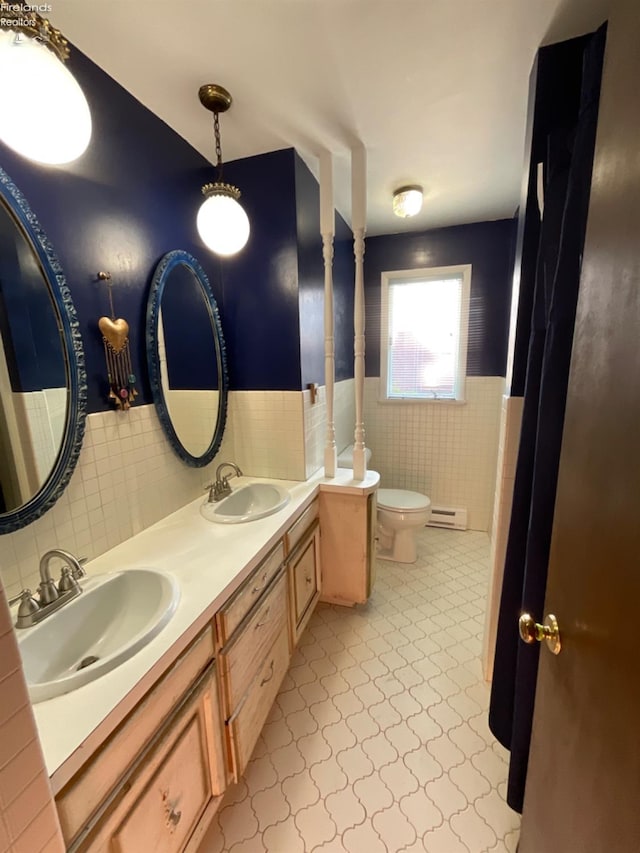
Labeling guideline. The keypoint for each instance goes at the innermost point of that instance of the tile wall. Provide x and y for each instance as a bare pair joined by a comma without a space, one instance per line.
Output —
315,422
28,819
510,423
445,450
193,415
40,420
128,477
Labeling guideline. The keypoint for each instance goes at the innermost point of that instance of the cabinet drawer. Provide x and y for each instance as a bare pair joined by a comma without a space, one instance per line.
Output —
298,530
246,725
305,584
166,813
242,657
91,785
243,600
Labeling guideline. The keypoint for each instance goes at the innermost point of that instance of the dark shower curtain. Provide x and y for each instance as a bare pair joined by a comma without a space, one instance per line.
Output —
567,182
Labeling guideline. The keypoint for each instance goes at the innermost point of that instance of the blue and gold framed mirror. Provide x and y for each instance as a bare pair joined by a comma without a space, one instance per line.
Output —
43,382
186,358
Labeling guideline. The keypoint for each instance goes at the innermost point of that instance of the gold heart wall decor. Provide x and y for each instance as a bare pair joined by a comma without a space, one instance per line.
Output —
115,338
116,332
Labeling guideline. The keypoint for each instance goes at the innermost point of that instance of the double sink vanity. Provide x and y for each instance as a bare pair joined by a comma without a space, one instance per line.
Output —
140,756
151,684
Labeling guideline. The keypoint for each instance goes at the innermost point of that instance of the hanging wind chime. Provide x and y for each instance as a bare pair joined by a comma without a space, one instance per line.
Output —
115,337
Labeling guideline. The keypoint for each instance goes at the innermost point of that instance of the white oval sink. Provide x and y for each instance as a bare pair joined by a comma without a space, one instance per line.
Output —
97,631
256,500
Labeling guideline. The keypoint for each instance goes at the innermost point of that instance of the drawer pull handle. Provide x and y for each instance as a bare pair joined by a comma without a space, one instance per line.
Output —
174,817
261,587
268,677
308,579
265,621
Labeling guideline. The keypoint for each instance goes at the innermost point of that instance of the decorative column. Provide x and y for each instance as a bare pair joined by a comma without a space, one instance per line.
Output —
327,229
359,226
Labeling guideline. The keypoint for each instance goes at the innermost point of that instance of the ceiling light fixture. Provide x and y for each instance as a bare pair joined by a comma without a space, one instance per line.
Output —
222,223
407,201
44,115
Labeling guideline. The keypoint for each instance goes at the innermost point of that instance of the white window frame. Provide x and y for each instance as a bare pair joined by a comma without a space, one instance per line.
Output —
460,271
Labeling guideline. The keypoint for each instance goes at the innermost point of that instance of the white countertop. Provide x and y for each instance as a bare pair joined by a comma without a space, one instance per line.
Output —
209,561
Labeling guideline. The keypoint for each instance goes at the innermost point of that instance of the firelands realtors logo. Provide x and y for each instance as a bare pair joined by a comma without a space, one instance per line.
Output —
24,9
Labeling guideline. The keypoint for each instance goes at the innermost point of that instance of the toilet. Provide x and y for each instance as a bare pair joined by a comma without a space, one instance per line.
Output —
401,514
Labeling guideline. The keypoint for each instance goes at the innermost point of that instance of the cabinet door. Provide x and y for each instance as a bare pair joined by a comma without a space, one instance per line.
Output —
101,777
304,582
172,789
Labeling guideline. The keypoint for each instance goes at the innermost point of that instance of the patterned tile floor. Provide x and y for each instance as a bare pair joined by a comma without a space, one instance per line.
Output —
378,740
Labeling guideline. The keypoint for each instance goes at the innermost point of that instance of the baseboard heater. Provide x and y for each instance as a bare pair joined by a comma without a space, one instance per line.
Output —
448,516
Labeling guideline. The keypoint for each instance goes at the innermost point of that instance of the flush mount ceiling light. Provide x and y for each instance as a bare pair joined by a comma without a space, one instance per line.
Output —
222,222
407,201
44,115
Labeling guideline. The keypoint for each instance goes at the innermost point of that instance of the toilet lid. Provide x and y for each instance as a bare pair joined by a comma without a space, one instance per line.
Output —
403,500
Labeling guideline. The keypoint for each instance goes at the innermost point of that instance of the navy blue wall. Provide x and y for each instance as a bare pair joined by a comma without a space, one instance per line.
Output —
488,246
188,336
311,284
28,322
131,198
260,284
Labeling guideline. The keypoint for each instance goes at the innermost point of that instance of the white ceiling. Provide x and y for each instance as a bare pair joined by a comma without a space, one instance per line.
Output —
435,89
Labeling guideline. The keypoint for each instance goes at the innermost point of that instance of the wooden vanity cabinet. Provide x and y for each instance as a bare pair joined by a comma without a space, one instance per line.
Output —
157,780
163,788
348,548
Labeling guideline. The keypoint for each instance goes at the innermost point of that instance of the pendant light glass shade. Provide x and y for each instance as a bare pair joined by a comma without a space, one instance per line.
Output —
44,115
222,224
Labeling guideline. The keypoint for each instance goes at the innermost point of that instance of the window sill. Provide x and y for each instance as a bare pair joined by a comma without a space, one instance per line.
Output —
412,401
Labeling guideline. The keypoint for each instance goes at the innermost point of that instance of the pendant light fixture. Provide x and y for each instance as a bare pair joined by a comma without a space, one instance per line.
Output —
222,223
407,201
44,116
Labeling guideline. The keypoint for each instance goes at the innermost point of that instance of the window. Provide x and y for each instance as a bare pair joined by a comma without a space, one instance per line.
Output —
423,334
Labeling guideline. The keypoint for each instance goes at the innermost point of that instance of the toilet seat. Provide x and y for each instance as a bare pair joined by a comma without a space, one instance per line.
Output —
402,500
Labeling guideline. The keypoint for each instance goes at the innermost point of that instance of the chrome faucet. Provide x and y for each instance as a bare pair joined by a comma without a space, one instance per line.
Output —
51,597
221,488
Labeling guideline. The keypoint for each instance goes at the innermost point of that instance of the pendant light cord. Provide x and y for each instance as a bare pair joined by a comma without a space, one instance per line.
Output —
216,131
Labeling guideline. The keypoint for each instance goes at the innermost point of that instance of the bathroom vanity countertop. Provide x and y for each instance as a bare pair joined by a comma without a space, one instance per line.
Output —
209,562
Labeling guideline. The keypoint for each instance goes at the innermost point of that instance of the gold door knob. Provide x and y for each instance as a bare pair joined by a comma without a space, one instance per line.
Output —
533,632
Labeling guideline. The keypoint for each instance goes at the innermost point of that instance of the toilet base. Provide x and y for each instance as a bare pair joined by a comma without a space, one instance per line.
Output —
400,548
